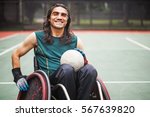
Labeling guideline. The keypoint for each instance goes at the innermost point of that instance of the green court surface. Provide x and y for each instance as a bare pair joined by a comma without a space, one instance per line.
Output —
122,60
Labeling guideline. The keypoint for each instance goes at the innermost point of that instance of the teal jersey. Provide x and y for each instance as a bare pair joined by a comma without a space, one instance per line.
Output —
48,55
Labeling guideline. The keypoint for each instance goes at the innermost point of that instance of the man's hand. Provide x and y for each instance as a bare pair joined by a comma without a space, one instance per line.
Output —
20,80
22,84
83,54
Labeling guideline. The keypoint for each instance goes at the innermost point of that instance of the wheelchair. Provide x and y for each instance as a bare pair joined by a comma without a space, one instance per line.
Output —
41,89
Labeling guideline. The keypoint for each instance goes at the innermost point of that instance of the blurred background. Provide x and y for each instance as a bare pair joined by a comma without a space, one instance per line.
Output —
86,14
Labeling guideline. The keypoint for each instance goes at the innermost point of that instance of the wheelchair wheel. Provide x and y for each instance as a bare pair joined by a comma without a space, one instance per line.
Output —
100,91
55,90
39,87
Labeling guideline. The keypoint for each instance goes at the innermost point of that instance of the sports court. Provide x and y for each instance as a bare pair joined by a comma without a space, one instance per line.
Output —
120,57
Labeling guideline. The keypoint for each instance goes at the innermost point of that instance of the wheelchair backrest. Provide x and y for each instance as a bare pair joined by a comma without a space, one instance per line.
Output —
36,67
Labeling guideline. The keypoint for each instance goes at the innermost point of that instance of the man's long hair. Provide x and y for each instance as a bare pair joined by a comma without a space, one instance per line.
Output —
66,38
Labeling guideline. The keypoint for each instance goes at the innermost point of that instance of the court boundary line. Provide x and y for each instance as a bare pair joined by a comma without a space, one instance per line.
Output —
6,83
9,49
137,43
11,33
8,37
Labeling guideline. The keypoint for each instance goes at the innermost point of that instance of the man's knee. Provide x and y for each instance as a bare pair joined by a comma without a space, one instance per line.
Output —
67,68
89,70
65,71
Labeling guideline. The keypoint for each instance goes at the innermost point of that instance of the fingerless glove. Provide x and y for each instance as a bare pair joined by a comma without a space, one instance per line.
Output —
17,74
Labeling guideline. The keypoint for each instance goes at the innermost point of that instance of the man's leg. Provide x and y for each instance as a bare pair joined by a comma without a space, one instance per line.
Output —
65,75
86,78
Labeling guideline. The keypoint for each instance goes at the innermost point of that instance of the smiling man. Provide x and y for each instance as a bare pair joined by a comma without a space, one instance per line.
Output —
49,44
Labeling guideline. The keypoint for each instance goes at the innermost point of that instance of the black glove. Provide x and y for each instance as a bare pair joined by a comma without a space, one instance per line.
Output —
20,80
83,54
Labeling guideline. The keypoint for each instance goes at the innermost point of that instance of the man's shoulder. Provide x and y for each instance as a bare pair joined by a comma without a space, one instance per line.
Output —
39,32
73,36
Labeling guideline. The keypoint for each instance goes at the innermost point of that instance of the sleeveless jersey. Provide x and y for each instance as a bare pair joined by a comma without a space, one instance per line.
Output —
48,55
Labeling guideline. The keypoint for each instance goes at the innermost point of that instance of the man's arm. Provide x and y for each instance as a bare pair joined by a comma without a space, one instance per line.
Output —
80,48
80,44
23,48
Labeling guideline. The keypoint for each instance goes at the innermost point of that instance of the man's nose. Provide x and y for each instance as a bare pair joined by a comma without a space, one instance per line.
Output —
59,16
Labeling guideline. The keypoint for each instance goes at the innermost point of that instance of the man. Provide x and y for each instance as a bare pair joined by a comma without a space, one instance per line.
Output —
49,44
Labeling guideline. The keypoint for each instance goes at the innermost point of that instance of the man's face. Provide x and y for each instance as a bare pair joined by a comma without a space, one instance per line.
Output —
58,18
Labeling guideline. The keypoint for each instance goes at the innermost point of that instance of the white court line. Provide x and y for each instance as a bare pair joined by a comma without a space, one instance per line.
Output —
9,49
4,83
8,37
137,43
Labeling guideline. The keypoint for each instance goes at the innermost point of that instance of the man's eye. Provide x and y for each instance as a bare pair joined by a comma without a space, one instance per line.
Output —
64,14
55,13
